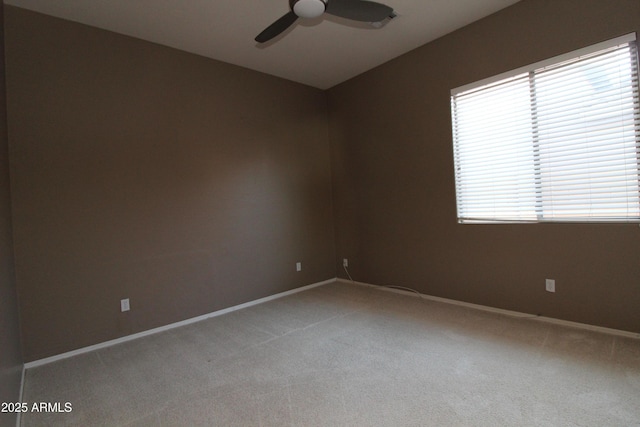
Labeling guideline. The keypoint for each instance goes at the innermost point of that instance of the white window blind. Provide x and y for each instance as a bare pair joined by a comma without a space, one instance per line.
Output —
556,141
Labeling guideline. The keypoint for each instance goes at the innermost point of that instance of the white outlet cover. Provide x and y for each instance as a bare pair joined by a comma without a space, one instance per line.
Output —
298,266
124,304
550,285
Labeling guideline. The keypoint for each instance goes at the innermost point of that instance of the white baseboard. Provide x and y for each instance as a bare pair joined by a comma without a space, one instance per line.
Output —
511,313
21,396
131,337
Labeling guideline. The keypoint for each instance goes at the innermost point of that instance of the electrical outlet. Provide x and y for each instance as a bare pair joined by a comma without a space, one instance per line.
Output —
124,304
298,266
550,285
345,262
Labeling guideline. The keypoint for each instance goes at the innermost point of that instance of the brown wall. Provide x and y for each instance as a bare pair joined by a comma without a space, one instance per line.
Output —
394,194
10,354
142,172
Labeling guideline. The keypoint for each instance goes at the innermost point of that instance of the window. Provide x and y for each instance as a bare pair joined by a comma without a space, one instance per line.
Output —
555,141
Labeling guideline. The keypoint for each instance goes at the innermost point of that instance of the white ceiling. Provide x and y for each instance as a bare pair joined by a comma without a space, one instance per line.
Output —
321,52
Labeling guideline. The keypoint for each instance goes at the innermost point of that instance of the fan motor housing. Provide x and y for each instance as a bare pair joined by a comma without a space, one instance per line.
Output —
309,8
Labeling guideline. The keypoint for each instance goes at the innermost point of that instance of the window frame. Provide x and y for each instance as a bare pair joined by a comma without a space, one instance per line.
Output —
529,72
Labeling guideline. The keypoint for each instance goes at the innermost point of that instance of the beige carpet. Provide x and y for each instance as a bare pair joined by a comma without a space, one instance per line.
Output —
349,355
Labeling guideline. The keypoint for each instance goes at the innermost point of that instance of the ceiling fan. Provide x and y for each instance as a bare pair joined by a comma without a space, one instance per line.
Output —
356,10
